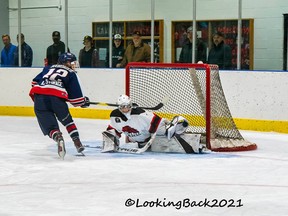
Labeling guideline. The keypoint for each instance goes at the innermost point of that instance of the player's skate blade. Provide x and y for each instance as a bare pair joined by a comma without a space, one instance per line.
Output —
61,149
80,149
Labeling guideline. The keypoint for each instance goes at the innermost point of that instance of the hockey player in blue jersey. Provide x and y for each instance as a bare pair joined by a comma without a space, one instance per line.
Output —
50,91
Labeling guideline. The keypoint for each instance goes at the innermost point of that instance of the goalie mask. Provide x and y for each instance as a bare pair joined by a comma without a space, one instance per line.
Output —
124,103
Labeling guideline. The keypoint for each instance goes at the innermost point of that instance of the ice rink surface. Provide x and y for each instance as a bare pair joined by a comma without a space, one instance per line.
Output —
34,181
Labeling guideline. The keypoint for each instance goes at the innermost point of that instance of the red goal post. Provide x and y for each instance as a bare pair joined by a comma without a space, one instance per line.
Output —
195,92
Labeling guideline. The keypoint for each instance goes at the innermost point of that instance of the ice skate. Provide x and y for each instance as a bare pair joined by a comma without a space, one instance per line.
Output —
80,148
203,149
61,145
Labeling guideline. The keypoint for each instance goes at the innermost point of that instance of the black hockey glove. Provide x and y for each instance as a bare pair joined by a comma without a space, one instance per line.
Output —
86,103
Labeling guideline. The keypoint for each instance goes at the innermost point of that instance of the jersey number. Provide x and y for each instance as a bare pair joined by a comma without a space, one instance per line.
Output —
52,74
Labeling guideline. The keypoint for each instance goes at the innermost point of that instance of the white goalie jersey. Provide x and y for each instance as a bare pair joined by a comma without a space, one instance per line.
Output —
137,125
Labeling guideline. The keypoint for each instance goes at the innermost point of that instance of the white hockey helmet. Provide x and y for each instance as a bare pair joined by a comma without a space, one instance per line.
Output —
124,101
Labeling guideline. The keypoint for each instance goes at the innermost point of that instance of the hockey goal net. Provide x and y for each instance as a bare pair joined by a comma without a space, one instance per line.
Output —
195,92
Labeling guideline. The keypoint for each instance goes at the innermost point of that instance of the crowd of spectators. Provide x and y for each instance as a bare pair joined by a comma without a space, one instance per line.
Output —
136,51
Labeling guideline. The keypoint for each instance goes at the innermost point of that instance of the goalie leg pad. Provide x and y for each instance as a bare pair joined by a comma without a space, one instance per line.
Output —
190,142
162,144
184,143
110,142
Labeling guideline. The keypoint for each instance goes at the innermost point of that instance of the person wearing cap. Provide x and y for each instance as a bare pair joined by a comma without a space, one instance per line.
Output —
220,53
56,49
88,55
26,52
186,52
118,51
8,52
137,51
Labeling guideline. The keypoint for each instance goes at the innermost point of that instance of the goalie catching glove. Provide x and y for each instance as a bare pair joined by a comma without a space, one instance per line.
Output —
178,125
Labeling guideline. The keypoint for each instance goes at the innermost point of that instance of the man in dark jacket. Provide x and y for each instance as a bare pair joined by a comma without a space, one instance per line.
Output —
186,52
220,53
118,51
26,53
56,49
88,55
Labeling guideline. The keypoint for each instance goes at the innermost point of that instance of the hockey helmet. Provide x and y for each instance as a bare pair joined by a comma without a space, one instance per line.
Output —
66,57
124,101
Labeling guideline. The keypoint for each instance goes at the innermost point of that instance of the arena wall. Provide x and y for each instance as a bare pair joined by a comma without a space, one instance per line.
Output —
257,100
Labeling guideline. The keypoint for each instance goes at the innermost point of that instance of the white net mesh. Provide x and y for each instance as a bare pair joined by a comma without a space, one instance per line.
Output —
186,87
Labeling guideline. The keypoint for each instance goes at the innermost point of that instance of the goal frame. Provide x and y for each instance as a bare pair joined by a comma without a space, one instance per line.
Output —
179,65
215,140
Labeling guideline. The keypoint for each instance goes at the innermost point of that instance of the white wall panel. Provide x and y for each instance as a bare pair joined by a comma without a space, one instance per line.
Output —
251,95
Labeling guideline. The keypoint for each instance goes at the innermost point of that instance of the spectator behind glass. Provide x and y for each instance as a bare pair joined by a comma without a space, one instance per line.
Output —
136,51
220,53
8,52
186,52
26,53
118,51
56,49
88,56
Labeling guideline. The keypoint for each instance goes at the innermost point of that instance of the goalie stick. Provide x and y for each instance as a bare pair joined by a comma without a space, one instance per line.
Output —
137,150
119,149
157,107
148,144
130,150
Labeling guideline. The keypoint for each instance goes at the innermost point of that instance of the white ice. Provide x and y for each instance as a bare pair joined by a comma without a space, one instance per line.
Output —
35,182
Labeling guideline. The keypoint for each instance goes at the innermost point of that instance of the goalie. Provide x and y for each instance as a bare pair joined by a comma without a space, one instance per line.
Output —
139,125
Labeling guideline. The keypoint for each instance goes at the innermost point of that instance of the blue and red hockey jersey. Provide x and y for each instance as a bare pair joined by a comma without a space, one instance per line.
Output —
59,81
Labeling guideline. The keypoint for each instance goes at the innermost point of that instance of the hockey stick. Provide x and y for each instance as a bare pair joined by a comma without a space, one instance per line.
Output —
119,149
157,107
130,150
103,104
160,105
138,150
148,144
